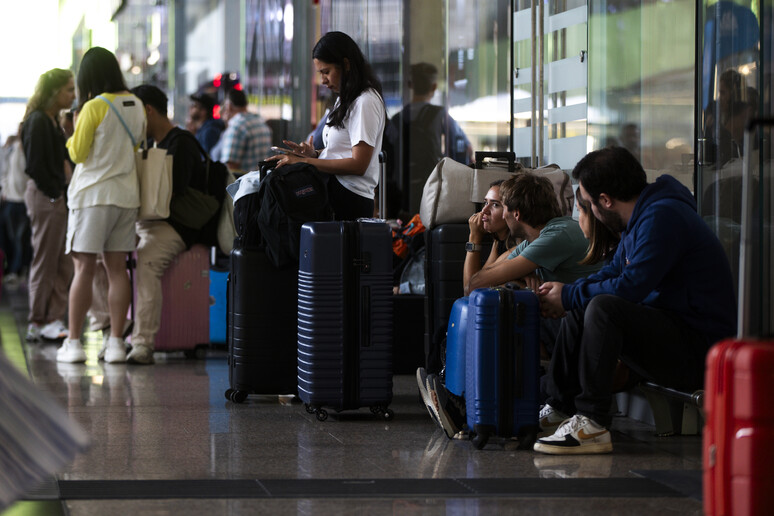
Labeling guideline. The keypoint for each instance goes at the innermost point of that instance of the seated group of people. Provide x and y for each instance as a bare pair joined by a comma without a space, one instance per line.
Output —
640,284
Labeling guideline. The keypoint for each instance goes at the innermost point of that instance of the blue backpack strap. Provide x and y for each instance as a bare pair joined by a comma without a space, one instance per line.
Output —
120,118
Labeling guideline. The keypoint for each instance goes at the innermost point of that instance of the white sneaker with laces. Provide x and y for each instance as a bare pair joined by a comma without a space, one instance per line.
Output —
578,435
71,351
55,330
423,391
549,418
115,350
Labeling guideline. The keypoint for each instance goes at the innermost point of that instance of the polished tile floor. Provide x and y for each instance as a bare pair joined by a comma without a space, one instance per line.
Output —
166,441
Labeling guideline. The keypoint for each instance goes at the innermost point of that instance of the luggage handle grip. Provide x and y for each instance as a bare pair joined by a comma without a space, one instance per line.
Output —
365,316
509,156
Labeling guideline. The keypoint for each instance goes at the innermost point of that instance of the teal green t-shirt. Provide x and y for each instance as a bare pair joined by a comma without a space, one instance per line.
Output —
557,251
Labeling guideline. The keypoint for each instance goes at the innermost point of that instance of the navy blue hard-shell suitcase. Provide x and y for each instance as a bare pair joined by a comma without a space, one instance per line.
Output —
456,336
345,317
502,362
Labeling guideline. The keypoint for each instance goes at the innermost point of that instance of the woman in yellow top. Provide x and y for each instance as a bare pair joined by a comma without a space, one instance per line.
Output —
103,196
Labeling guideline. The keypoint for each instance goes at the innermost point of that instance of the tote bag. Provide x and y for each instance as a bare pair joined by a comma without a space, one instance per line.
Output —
154,172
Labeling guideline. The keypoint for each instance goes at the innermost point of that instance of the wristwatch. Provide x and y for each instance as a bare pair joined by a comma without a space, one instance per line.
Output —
471,247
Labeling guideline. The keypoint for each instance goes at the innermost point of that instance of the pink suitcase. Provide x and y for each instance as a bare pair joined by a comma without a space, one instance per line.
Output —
185,312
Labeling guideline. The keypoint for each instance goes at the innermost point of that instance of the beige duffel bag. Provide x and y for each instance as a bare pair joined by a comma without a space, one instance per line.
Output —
453,189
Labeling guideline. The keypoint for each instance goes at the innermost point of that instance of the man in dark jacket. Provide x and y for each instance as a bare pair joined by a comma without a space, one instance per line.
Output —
665,298
160,241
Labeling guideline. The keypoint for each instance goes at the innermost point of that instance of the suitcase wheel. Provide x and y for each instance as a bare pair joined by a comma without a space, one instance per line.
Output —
382,412
479,441
198,353
481,435
309,410
321,414
527,436
236,396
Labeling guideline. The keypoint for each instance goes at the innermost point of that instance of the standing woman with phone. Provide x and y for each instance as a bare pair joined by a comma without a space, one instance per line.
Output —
103,197
353,133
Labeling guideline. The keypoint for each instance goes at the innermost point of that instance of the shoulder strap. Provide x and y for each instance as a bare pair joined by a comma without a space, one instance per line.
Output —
120,118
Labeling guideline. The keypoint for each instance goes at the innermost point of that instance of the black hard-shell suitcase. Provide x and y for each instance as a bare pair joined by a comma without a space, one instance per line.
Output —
345,317
445,257
444,261
260,326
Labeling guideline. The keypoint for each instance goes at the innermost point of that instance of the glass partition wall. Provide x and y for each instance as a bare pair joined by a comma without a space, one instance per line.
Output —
550,63
734,85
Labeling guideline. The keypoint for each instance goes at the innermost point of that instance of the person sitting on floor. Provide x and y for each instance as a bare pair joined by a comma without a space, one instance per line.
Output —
664,299
553,247
490,221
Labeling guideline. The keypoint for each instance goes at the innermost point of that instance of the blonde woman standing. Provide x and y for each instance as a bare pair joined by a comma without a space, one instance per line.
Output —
44,148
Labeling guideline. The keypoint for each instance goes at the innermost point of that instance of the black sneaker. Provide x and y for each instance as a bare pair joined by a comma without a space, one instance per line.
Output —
451,409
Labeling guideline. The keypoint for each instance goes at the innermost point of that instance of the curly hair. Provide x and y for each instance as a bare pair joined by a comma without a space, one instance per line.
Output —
46,89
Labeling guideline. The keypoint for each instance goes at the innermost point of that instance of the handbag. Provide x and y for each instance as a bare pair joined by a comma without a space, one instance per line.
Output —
194,208
446,195
154,174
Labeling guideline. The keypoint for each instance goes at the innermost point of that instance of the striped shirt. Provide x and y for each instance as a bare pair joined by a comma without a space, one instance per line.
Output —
246,140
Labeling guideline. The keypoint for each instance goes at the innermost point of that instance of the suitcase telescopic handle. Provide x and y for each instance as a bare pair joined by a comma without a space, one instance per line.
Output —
508,156
748,240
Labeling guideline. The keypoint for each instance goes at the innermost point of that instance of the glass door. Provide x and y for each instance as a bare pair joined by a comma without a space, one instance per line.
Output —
550,78
734,85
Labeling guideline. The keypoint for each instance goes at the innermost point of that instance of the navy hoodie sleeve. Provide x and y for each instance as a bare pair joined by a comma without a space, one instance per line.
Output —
644,257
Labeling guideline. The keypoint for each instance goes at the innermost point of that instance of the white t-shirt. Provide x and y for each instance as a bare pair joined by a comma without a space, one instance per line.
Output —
364,123
105,171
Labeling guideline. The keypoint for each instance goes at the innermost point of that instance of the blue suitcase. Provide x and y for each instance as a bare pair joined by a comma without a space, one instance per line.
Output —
345,317
456,335
218,306
502,362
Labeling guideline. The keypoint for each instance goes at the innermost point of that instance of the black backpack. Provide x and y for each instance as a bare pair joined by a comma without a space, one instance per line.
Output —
271,218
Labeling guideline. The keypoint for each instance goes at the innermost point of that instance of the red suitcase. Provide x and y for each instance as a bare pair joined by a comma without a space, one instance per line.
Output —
738,448
185,312
739,429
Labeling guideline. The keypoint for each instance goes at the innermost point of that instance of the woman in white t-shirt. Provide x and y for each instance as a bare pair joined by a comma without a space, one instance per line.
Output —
103,197
353,133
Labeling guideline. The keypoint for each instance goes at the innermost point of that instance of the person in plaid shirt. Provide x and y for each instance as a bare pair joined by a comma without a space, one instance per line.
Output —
247,139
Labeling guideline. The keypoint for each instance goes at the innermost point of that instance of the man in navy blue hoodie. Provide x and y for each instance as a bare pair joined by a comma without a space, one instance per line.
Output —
658,306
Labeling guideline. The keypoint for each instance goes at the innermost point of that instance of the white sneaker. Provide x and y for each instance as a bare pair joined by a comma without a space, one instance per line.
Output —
106,335
425,394
33,332
115,350
578,435
55,330
140,355
550,419
71,351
